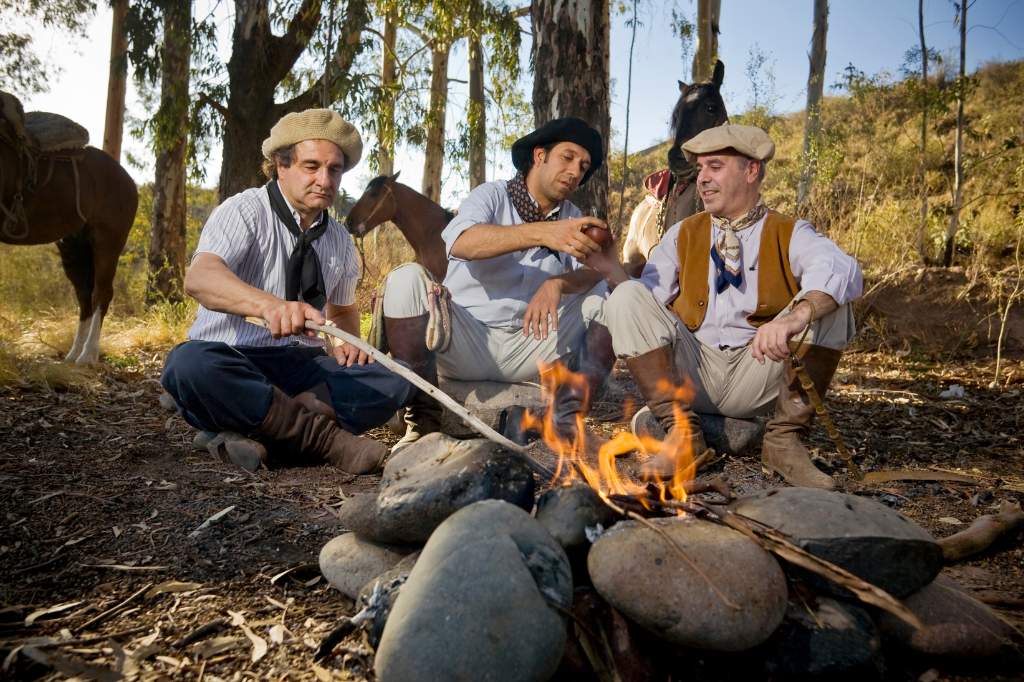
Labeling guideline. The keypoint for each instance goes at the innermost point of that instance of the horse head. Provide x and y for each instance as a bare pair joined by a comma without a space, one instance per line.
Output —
700,107
375,206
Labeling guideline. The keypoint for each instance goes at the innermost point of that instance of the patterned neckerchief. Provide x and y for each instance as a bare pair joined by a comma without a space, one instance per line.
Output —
527,208
726,252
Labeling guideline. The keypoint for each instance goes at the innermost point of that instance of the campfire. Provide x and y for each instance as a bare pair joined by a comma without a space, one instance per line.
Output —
604,475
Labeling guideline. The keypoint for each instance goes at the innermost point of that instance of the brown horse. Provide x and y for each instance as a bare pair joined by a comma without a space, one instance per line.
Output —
80,198
419,219
700,107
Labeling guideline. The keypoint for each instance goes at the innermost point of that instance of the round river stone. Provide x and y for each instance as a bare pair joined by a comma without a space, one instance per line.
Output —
475,605
638,572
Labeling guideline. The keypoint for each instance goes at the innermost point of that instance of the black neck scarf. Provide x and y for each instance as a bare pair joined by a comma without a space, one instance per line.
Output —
302,274
527,209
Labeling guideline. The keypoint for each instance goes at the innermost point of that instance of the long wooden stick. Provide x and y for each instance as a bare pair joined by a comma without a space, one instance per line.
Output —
428,388
819,407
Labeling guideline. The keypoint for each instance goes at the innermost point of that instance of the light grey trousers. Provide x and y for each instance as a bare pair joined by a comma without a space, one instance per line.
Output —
481,353
729,382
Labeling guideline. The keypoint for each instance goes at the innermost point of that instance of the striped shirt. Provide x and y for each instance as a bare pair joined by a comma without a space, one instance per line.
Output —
255,244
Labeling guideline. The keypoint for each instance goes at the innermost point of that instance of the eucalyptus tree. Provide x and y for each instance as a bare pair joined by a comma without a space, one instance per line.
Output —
22,70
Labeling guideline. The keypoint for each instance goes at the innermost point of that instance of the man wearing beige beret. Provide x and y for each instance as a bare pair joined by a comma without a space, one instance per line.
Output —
275,396
725,302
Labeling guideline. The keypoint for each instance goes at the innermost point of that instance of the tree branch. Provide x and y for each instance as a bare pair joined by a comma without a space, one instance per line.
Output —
520,12
216,106
285,50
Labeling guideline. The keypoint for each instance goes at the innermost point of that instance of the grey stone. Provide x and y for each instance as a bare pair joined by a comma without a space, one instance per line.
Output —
732,436
167,402
567,511
487,400
830,639
639,573
725,435
959,626
475,606
426,482
871,541
391,583
349,561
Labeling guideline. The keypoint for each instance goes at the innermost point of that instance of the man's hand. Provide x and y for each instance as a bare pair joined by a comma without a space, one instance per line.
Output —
607,263
288,318
568,236
347,355
544,304
772,338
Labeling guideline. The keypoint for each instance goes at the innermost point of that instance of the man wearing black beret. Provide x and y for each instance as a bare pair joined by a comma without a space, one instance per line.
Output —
523,294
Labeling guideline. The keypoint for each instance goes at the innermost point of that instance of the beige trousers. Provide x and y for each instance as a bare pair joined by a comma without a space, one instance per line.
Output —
481,353
728,382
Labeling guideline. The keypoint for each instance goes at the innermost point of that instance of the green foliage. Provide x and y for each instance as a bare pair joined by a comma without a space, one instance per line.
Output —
760,71
22,71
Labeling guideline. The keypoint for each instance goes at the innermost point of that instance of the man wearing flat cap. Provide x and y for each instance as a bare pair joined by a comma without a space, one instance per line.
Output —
275,396
521,293
727,300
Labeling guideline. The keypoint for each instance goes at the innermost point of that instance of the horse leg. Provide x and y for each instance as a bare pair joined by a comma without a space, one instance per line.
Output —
105,253
77,259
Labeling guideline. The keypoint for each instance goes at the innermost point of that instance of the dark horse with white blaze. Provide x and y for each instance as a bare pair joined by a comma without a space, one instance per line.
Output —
418,218
700,107
77,196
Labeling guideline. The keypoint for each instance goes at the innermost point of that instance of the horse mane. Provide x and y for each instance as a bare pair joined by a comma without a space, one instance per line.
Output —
376,183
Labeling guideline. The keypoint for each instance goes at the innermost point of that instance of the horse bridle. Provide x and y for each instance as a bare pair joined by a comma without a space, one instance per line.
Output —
376,208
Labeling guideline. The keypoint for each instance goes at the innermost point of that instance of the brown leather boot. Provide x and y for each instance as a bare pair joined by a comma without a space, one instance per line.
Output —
407,339
318,399
783,452
574,399
656,376
292,431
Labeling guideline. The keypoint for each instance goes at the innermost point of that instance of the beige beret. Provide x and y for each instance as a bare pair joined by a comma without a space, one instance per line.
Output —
748,140
316,124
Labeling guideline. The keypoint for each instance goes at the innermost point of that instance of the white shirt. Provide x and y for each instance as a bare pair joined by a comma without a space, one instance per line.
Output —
496,291
255,244
817,264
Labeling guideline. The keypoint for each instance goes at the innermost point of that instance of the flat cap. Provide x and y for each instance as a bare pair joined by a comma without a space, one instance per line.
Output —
748,140
315,124
569,129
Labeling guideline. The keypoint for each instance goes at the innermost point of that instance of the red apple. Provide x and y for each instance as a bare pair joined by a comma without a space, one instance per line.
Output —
599,235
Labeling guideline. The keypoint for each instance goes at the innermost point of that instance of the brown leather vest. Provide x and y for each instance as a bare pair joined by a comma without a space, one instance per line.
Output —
776,286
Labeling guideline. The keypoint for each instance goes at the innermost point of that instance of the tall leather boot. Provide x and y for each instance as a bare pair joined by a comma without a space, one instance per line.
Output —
407,338
291,430
574,400
656,376
783,452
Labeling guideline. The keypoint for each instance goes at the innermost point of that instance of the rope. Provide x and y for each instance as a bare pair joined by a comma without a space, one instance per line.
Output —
439,321
819,406
78,190
377,207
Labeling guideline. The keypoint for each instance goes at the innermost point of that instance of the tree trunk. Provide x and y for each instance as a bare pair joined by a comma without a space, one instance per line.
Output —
477,104
433,160
386,123
167,241
113,125
815,86
704,57
958,192
251,111
570,58
922,232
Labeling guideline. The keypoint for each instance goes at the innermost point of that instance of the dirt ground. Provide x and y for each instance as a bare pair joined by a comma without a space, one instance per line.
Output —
106,561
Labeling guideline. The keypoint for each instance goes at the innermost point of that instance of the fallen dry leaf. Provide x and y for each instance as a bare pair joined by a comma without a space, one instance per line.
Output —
32,617
321,673
952,521
217,645
172,586
259,645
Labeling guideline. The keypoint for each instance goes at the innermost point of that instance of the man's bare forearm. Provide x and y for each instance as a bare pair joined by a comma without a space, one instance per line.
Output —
211,282
345,317
489,241
579,281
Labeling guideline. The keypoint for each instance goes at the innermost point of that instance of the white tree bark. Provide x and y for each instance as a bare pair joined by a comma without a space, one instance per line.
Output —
386,124
958,191
113,125
433,160
708,14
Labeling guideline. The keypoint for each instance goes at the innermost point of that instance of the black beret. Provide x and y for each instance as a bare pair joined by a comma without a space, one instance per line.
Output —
573,130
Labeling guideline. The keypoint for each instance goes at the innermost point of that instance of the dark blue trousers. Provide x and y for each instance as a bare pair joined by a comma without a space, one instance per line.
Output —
229,388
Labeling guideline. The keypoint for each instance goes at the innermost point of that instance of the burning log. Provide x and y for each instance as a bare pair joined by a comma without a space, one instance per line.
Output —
983,532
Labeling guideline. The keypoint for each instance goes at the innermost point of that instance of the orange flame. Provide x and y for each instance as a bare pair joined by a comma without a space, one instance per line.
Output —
576,464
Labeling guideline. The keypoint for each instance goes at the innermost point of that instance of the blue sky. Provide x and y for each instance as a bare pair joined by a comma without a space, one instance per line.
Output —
870,34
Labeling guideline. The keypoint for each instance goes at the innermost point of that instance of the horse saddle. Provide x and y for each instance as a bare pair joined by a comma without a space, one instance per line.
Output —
656,184
56,135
